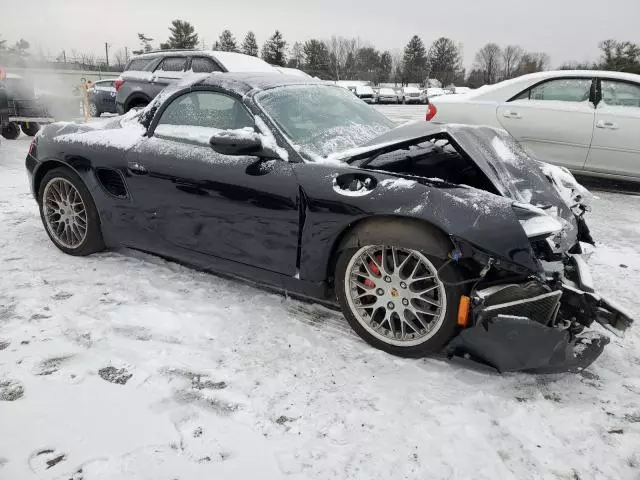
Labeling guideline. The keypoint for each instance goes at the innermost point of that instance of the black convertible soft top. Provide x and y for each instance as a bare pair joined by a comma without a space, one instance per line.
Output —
243,83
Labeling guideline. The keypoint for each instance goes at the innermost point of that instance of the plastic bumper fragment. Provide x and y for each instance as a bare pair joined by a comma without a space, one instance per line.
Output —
511,344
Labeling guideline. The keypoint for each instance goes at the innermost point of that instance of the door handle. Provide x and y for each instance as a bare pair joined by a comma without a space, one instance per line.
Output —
515,115
609,125
137,168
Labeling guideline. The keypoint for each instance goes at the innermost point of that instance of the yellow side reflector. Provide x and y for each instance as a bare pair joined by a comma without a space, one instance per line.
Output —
463,311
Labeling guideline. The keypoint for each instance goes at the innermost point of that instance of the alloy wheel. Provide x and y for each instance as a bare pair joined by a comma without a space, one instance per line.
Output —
395,294
65,213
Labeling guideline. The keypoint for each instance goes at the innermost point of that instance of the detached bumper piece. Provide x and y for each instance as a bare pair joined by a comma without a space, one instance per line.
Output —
532,327
509,343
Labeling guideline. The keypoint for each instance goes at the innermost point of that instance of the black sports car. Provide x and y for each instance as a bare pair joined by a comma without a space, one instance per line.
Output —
430,238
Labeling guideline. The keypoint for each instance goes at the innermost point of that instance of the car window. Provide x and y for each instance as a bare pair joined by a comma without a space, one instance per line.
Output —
204,65
138,64
207,109
172,64
560,89
620,94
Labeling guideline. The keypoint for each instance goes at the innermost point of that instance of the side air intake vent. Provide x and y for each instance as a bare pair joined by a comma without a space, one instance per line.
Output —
112,182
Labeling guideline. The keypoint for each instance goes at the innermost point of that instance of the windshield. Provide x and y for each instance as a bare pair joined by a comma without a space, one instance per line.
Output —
321,120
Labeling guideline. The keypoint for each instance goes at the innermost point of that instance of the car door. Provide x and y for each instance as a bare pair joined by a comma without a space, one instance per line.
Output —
237,208
106,95
169,70
615,148
553,120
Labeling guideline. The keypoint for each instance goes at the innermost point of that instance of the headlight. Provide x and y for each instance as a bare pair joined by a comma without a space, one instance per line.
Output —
535,222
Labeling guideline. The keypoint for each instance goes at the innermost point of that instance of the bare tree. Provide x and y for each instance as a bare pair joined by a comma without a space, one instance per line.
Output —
511,55
532,62
341,49
397,66
296,56
120,59
488,60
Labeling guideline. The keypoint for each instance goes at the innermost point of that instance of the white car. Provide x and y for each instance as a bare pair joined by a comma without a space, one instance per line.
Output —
365,93
411,95
386,95
586,121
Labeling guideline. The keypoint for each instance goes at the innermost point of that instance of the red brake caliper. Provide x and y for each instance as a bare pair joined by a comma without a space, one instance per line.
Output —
374,268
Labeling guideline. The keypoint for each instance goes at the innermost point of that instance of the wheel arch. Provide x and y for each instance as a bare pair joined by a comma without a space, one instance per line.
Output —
135,97
50,164
364,230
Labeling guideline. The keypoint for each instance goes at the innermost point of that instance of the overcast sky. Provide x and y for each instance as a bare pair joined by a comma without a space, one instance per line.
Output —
565,29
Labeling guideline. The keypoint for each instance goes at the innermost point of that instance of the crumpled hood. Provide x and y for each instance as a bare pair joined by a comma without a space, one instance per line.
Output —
507,166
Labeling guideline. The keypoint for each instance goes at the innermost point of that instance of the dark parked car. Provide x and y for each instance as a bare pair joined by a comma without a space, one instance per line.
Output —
146,75
428,237
22,109
102,97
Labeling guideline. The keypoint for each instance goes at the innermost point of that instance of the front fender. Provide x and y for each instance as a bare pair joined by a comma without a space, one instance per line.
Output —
481,219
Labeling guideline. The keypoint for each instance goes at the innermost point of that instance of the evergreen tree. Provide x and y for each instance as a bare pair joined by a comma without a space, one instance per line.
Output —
367,63
316,59
226,42
445,60
620,56
415,61
20,48
250,45
182,36
145,44
273,50
384,68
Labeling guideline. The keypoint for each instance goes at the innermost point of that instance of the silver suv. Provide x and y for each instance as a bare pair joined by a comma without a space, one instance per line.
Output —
147,74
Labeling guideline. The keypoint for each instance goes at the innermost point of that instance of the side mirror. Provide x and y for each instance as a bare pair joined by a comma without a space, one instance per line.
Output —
239,143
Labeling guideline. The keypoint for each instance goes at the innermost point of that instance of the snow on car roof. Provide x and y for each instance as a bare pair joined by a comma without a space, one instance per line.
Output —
232,61
507,88
239,62
245,82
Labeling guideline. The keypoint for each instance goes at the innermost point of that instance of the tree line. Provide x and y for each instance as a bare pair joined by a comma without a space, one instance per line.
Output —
342,58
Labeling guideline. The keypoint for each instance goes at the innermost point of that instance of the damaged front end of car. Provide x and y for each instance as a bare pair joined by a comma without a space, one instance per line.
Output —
536,322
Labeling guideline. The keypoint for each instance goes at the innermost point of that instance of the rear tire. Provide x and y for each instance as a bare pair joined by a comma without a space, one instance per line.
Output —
397,297
93,110
30,128
69,214
11,131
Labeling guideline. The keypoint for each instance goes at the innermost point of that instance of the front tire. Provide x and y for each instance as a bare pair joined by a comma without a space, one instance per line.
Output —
11,131
69,214
395,300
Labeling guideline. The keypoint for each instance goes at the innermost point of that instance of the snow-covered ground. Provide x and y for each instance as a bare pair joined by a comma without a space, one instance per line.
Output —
125,366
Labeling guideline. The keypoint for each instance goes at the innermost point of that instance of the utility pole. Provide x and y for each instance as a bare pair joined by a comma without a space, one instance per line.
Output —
106,52
126,54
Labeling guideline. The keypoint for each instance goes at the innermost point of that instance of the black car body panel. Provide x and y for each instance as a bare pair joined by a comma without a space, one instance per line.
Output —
281,223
